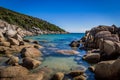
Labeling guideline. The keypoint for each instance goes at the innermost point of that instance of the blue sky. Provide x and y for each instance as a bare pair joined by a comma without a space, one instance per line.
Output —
71,15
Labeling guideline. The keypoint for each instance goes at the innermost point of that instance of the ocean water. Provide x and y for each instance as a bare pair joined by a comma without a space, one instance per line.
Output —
59,62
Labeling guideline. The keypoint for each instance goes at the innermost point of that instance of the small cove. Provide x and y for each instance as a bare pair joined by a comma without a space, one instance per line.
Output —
59,62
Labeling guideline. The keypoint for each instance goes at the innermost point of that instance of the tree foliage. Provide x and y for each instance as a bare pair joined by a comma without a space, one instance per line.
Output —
26,21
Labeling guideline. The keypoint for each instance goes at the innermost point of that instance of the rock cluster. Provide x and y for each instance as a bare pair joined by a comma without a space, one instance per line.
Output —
11,41
74,75
102,43
78,75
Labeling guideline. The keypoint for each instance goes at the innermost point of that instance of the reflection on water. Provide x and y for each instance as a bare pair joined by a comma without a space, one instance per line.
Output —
59,62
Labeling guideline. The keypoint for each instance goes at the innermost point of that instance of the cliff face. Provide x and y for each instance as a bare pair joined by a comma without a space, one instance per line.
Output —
29,23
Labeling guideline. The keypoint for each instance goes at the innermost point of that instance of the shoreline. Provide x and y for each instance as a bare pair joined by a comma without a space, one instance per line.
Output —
12,41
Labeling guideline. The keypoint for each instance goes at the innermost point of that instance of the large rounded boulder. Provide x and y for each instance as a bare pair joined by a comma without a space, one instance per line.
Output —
108,70
30,63
109,47
92,57
13,71
102,34
30,52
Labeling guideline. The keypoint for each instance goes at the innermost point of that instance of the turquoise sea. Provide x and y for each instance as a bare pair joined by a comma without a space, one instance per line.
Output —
59,62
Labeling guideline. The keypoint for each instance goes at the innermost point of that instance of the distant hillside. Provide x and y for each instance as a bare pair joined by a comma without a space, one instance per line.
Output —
27,22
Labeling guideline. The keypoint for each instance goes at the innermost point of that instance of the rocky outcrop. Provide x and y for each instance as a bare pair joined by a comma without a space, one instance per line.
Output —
92,37
11,41
107,40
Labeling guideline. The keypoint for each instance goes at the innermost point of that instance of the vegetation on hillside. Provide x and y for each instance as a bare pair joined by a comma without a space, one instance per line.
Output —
26,21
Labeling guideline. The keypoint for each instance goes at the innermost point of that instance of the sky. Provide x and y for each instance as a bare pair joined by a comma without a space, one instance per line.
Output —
71,15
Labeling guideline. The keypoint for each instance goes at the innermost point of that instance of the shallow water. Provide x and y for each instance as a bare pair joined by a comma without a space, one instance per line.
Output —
59,62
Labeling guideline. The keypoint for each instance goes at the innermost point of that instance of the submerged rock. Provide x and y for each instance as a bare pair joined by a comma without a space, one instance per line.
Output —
67,52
